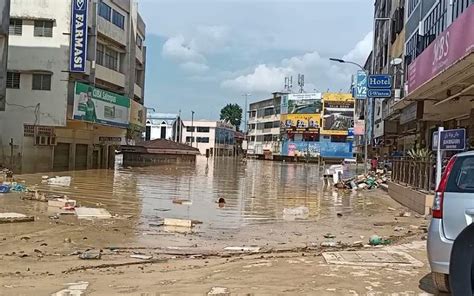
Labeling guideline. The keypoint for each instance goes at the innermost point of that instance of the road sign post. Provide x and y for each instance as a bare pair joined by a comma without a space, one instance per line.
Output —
439,157
447,140
360,91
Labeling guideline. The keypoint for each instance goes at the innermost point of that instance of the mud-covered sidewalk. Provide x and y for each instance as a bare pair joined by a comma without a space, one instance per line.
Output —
272,257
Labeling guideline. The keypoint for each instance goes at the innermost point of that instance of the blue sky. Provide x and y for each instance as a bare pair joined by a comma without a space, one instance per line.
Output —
202,55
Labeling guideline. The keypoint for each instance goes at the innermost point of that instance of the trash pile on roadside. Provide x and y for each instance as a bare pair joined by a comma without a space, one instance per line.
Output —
372,180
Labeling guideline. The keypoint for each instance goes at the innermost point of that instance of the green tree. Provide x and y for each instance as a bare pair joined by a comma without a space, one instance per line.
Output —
233,114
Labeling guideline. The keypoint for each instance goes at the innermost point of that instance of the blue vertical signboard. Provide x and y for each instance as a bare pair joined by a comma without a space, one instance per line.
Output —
360,91
78,47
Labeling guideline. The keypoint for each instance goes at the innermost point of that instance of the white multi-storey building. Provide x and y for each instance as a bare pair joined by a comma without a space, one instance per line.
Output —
72,100
215,138
264,126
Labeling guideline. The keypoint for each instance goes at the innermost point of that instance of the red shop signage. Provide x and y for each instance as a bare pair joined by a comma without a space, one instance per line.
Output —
454,44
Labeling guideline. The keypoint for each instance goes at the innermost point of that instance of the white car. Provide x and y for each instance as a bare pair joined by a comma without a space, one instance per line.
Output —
453,210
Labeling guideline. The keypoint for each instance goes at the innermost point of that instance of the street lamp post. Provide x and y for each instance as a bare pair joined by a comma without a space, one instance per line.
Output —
365,109
367,73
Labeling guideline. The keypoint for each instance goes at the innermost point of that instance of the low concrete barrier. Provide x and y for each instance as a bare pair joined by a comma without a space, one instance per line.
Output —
417,201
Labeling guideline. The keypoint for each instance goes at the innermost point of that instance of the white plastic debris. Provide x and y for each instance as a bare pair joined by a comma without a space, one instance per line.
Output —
92,213
299,213
60,181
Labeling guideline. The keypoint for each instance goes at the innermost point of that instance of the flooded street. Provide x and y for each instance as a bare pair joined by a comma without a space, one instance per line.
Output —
254,191
283,212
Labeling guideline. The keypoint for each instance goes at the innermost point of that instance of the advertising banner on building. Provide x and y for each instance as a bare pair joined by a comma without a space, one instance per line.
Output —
359,127
338,113
315,149
78,47
95,105
137,114
304,103
301,122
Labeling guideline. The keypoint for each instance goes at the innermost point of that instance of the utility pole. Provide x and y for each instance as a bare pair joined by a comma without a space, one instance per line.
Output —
245,115
180,129
93,40
192,128
11,153
4,29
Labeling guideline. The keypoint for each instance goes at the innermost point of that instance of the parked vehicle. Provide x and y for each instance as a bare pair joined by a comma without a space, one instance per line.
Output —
453,210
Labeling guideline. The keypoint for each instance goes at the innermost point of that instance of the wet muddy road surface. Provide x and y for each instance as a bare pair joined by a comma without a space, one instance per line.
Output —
259,214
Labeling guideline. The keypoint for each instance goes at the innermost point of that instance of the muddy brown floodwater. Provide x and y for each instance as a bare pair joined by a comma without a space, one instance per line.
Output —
262,200
254,191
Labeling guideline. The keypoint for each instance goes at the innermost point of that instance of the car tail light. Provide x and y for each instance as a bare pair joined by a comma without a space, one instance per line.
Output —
437,210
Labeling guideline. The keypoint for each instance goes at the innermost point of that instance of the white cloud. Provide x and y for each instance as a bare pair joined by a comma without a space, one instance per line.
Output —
194,68
263,79
319,72
177,49
362,50
210,39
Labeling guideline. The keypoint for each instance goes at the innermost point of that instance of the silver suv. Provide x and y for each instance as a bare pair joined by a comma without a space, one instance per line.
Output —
453,210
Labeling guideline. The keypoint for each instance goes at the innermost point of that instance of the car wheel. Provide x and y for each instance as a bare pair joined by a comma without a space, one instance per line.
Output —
441,281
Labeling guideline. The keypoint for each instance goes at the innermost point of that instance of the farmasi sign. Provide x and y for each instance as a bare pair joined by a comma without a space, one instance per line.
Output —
78,50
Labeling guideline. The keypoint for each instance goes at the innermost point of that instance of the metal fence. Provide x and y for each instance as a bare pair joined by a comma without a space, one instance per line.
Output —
417,174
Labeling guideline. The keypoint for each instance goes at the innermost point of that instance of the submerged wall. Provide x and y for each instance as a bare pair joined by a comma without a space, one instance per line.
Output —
147,159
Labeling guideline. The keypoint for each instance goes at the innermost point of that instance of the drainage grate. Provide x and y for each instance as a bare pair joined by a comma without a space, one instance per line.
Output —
377,258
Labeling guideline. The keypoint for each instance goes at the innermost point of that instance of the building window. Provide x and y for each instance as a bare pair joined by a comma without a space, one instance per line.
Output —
111,59
268,125
268,112
41,81
202,139
16,27
189,139
434,24
190,129
100,54
118,19
139,41
203,129
13,80
459,6
43,29
412,4
267,138
138,77
105,11
412,49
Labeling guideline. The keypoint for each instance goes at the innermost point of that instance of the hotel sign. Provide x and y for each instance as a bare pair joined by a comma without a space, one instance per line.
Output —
78,48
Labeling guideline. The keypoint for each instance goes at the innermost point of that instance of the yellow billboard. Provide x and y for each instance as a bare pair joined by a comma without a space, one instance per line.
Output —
137,114
338,113
301,122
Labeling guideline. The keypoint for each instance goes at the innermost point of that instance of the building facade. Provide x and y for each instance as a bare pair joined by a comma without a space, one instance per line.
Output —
436,80
302,125
216,138
163,126
264,126
71,100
